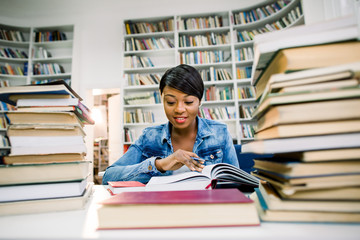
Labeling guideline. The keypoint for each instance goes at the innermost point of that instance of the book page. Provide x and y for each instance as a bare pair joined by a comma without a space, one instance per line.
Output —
186,176
228,173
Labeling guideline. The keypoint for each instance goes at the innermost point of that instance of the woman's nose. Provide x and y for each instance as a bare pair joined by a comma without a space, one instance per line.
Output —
180,107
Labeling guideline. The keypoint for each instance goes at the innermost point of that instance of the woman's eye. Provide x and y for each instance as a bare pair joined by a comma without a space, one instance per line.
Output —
188,103
170,103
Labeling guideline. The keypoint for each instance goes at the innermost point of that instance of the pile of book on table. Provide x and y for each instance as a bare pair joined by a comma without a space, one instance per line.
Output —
188,199
46,168
309,119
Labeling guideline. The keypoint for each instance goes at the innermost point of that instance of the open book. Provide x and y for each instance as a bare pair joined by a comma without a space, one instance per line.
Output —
212,176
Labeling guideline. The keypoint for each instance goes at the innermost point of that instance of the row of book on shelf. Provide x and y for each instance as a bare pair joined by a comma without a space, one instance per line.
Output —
214,113
12,35
211,93
137,62
308,120
8,69
242,17
15,53
199,22
197,57
44,167
248,130
38,69
244,54
5,83
49,36
139,116
249,35
135,44
143,98
214,93
209,39
12,53
48,68
260,13
149,27
39,36
211,74
218,113
203,57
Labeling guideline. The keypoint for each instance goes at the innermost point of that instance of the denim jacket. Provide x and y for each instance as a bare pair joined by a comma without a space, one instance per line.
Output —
213,143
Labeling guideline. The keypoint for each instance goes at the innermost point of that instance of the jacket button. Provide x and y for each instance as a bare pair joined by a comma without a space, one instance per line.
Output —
149,167
212,156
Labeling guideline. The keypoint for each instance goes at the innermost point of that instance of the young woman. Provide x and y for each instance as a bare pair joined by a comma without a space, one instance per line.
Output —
170,148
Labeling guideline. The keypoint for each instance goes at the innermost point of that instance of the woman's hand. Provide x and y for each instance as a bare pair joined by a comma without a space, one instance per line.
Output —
178,159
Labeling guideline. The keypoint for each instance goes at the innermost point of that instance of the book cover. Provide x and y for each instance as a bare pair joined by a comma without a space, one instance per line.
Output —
332,110
44,158
309,77
315,187
44,130
308,129
307,143
10,193
300,58
55,89
321,155
302,169
116,187
58,118
43,172
306,97
274,201
274,215
176,209
47,205
267,45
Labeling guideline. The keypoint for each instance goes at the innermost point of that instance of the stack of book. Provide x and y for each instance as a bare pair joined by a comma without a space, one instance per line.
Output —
309,120
46,169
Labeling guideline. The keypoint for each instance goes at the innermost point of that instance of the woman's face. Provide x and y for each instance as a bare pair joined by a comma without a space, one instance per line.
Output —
180,108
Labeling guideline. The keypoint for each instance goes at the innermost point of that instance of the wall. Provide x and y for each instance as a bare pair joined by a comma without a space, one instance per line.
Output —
320,10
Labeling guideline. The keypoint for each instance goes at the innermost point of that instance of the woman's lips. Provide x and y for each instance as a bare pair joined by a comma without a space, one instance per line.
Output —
180,119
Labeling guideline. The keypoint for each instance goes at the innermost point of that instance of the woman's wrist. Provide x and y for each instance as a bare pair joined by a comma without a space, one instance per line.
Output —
158,165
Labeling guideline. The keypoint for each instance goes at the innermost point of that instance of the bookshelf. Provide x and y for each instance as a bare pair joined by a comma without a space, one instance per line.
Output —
14,39
218,44
32,55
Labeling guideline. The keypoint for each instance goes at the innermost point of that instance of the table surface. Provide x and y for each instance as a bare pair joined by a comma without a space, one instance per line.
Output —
82,224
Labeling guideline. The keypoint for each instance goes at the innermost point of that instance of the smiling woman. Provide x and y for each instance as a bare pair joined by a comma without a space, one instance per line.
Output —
171,148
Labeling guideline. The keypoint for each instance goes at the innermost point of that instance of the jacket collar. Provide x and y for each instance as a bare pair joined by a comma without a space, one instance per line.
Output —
204,130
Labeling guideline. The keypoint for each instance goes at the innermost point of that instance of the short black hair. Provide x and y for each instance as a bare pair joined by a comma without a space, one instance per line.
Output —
185,79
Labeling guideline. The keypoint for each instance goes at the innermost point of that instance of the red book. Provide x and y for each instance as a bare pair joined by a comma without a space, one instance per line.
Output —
176,209
125,186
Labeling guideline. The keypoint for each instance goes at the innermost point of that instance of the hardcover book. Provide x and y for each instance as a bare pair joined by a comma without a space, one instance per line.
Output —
125,186
279,215
43,172
177,209
22,192
55,89
47,205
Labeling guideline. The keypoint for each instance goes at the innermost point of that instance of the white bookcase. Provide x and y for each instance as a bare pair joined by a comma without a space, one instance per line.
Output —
51,54
210,42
